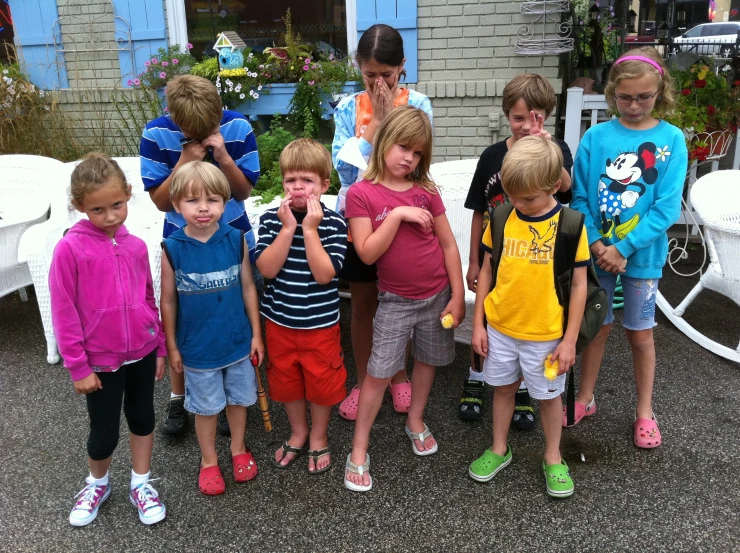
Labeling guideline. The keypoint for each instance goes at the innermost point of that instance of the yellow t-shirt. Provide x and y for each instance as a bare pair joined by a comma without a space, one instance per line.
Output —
524,304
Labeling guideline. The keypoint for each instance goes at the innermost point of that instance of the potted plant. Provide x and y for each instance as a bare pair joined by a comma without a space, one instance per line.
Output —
707,108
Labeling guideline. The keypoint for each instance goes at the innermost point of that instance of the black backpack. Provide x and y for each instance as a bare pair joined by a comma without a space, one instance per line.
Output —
570,226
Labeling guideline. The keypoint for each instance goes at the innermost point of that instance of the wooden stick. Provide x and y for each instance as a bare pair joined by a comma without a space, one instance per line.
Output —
262,396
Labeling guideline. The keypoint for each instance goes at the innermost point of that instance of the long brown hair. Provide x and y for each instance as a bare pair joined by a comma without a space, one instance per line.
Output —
634,69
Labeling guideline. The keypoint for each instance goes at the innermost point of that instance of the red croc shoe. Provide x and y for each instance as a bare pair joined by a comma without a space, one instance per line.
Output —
210,481
245,467
348,407
401,394
647,435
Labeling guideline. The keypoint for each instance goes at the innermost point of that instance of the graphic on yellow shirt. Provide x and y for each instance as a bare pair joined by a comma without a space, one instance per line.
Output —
543,244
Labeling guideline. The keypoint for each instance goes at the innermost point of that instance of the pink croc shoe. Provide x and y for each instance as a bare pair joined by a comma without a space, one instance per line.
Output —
348,407
581,411
647,435
401,394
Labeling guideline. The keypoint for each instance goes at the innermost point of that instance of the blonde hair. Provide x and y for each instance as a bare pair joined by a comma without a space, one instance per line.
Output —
535,90
634,69
95,171
194,105
306,154
195,176
409,126
533,164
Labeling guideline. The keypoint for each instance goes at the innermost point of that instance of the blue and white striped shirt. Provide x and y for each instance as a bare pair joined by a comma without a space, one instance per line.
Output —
293,298
160,151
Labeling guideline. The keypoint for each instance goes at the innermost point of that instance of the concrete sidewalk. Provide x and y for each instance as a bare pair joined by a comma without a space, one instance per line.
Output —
683,496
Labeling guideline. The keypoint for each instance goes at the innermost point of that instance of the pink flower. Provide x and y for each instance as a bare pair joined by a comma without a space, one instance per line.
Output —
189,46
137,82
311,82
308,60
147,63
130,82
154,61
305,67
175,61
163,75
166,109
165,64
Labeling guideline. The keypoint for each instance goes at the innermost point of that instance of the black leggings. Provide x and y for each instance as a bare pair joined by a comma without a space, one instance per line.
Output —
131,385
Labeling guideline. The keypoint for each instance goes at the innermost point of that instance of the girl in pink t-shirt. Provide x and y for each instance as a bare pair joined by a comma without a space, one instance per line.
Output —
398,221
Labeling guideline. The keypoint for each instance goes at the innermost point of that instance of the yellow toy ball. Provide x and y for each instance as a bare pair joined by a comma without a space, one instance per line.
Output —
448,321
551,368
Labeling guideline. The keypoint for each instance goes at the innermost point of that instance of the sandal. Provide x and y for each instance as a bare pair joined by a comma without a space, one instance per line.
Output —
401,394
348,407
245,468
286,448
316,454
581,411
646,433
421,436
558,480
357,469
211,481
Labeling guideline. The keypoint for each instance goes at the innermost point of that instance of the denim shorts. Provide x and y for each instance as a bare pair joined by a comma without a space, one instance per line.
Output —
639,300
207,392
510,359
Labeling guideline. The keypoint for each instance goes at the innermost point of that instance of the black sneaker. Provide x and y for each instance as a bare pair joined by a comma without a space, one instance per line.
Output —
176,418
523,418
471,402
223,424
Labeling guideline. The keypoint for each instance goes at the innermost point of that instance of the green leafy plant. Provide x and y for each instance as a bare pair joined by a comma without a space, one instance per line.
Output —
164,66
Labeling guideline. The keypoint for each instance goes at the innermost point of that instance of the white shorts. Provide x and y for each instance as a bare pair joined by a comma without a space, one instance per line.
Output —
509,359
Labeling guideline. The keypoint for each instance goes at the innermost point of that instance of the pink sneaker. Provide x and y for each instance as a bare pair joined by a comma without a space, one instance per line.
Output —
146,499
646,433
348,407
90,499
581,411
401,394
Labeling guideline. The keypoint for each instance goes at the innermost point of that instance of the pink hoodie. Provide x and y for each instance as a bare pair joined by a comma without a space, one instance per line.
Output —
102,300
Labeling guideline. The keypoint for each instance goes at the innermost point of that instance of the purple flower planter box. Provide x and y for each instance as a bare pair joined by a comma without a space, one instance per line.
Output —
275,99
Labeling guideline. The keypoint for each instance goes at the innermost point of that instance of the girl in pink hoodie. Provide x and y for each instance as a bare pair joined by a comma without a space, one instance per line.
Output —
109,334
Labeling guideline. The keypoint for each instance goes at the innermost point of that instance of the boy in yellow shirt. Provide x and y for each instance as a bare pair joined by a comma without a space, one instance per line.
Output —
523,315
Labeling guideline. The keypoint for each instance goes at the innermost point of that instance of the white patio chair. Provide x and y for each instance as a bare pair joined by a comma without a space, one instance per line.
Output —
24,202
716,197
453,179
38,243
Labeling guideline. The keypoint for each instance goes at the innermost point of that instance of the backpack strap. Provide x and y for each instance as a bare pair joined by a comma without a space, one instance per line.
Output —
497,222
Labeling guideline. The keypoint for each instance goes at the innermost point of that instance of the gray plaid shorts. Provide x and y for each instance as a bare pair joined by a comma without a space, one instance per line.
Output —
395,320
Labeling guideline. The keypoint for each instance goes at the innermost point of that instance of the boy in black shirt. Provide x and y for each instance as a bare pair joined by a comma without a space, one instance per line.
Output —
528,101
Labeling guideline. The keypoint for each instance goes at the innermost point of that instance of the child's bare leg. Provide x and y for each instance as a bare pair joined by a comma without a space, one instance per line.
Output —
590,365
643,362
177,382
100,468
237,417
551,414
320,415
364,305
503,409
371,398
141,452
205,429
421,384
298,419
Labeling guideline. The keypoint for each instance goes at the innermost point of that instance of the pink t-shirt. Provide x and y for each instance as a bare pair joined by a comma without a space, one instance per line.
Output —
414,264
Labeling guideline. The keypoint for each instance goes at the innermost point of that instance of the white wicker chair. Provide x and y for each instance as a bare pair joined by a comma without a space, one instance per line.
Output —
38,243
453,179
24,202
716,198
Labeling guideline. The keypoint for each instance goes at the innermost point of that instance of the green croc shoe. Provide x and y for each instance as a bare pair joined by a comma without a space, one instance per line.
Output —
558,480
487,465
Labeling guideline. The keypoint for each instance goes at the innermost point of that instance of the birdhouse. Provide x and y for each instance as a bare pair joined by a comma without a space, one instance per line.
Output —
229,47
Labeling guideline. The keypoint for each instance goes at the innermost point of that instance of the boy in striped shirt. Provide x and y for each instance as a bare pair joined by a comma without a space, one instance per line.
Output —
301,250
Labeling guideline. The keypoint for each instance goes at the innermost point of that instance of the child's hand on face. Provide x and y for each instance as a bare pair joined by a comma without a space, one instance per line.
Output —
159,373
536,126
192,151
314,214
612,261
216,143
381,99
416,215
258,349
91,383
175,359
285,214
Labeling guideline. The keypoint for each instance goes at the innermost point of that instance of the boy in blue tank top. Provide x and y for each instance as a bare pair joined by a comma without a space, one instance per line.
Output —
210,314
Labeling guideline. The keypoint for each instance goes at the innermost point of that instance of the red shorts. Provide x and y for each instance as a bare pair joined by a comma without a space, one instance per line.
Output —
305,364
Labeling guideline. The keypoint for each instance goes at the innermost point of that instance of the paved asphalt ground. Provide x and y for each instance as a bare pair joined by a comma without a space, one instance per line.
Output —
684,496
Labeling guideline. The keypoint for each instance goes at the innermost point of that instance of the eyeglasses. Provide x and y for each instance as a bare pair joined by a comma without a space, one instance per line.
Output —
642,99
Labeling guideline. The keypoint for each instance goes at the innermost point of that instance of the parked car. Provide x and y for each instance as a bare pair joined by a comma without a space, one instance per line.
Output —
711,38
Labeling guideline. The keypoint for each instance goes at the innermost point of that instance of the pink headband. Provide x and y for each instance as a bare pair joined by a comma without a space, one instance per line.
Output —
641,58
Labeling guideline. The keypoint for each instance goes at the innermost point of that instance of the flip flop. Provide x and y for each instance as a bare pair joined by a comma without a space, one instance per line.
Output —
286,448
357,469
422,437
316,454
245,468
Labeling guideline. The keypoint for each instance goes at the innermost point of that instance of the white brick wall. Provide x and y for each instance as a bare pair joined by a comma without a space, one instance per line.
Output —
466,57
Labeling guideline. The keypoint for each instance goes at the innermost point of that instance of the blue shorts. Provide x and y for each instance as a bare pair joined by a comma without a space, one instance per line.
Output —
207,392
639,300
